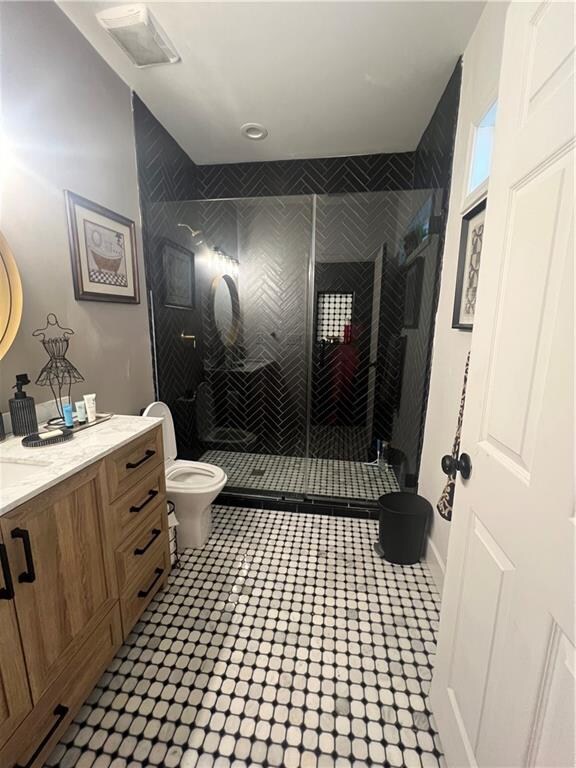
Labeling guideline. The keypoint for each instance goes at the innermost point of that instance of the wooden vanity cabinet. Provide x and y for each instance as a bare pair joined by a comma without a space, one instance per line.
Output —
63,572
78,586
15,699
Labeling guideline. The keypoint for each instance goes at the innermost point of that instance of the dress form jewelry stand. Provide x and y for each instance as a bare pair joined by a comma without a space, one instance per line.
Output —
59,374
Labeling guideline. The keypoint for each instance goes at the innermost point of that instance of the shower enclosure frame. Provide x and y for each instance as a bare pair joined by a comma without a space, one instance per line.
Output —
309,339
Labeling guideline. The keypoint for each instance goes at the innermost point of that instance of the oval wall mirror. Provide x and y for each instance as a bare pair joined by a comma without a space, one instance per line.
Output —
226,309
10,297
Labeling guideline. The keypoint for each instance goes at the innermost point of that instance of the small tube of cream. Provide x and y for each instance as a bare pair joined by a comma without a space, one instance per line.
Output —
80,411
90,403
68,417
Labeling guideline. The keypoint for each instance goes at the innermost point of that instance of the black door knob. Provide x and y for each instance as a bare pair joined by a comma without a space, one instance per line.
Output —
450,465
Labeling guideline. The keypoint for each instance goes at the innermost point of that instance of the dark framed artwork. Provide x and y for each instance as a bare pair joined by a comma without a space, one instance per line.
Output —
178,266
103,252
470,254
414,273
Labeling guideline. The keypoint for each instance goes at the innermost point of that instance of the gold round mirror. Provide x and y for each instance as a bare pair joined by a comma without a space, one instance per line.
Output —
10,297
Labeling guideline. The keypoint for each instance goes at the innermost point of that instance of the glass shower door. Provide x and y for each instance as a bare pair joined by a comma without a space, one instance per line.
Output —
359,339
252,402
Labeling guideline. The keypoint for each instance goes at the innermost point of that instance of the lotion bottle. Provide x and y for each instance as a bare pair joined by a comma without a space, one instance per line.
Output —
22,408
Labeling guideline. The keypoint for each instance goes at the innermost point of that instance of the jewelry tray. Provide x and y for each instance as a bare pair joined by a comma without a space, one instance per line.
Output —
59,423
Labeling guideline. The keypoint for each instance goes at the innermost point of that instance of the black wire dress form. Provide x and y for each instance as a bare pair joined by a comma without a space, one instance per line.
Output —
59,374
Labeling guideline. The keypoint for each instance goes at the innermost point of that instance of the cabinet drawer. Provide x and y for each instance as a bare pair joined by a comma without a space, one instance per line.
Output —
39,733
136,597
128,512
148,542
133,462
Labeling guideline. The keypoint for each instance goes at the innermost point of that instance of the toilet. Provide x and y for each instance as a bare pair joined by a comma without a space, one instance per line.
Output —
191,486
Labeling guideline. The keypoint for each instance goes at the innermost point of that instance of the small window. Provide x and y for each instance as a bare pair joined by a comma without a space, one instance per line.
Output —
334,317
482,149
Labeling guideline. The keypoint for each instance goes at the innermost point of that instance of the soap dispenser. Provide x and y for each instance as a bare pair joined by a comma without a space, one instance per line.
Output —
22,408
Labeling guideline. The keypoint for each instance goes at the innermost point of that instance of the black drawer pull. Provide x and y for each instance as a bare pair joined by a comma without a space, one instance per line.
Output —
152,493
147,455
29,575
155,533
60,713
7,591
146,592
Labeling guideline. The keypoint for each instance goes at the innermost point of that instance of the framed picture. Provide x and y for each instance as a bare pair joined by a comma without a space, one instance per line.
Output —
471,238
413,292
103,252
178,266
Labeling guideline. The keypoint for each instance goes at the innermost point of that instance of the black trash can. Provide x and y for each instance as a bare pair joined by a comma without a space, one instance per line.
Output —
404,519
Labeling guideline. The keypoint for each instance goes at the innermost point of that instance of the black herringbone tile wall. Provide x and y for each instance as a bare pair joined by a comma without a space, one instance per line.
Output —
432,171
255,394
166,173
332,175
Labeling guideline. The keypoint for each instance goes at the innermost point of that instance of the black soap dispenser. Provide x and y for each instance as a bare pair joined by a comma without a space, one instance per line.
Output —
22,408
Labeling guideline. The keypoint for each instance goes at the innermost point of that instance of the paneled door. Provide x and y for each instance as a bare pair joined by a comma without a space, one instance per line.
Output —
15,701
61,570
503,689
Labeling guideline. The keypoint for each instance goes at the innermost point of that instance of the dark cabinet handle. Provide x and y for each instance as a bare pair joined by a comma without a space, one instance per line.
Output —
59,713
7,591
450,465
146,592
29,574
155,533
152,493
147,455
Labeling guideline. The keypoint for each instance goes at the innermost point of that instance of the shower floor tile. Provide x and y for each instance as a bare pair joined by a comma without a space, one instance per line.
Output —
293,474
285,641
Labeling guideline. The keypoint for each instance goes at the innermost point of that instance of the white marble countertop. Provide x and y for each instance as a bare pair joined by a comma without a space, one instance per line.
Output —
26,472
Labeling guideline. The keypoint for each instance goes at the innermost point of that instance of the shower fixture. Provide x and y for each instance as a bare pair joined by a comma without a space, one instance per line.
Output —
193,232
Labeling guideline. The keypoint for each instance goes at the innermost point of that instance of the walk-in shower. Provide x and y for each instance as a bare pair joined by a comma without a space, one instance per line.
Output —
293,337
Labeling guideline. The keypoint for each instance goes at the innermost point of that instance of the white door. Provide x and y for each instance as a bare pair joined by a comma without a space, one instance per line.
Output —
503,689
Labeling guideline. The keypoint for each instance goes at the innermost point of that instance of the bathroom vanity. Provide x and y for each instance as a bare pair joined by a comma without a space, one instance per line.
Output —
83,550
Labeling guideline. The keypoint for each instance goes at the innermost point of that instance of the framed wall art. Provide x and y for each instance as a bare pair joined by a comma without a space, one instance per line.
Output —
178,267
103,252
471,239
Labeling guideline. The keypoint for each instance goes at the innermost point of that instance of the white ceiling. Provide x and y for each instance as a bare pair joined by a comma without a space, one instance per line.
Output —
325,78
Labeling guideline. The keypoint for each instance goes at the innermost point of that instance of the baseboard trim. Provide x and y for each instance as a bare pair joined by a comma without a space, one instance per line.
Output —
436,564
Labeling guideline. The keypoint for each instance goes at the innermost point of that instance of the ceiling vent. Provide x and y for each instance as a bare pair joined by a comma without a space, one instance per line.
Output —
139,35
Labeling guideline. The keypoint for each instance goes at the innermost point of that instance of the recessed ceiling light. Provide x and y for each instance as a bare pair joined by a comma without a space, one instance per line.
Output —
253,131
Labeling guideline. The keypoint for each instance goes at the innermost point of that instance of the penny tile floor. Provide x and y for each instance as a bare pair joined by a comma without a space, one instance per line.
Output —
285,641
292,474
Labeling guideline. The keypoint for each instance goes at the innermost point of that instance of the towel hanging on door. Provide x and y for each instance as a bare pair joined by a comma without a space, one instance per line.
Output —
446,500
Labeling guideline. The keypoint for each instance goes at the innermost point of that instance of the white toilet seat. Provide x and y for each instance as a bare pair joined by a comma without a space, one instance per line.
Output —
193,476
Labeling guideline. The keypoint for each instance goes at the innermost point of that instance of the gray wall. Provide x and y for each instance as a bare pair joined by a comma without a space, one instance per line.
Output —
67,121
